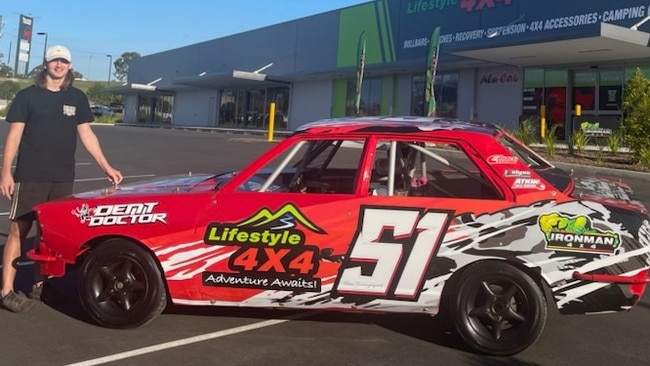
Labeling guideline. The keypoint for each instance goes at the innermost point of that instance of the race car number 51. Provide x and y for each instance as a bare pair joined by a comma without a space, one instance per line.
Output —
399,262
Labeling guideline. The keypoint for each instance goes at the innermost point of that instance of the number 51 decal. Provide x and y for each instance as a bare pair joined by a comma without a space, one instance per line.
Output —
391,251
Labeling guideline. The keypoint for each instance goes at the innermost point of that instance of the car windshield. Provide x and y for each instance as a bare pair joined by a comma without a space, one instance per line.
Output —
555,176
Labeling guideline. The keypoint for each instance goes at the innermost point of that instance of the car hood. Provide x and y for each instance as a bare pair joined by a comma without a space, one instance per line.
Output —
606,191
170,184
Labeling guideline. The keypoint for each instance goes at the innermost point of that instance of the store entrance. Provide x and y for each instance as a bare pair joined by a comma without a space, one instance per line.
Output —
554,94
250,108
598,92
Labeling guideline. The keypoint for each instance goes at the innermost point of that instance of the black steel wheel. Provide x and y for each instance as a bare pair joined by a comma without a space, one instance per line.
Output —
497,309
120,285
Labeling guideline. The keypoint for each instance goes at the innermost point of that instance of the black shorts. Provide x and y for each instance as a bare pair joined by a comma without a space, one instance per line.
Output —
29,194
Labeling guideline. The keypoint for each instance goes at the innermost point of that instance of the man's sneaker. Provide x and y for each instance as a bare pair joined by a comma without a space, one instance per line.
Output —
45,293
17,302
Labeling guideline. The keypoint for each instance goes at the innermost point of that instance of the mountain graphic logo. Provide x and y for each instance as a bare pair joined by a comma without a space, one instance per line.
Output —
286,217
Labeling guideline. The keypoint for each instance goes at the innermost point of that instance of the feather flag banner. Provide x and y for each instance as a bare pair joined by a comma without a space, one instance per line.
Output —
361,64
432,65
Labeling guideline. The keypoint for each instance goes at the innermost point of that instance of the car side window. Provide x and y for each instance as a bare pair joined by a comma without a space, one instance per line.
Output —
317,166
427,169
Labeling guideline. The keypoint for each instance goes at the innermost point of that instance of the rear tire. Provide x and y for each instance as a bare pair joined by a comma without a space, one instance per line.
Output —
120,285
497,309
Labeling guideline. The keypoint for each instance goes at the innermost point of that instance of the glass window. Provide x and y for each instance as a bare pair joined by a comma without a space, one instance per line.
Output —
427,169
370,99
584,89
163,111
144,109
250,108
157,108
533,91
610,90
445,92
319,166
555,99
417,95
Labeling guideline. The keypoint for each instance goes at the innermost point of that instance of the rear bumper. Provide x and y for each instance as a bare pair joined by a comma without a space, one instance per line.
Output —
637,283
640,278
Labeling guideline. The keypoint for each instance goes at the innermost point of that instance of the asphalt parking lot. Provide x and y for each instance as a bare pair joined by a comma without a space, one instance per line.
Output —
60,334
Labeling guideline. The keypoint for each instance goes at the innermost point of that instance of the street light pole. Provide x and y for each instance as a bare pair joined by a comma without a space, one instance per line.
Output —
110,63
44,47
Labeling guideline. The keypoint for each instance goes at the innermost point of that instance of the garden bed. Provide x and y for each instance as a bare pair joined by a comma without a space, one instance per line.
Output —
605,159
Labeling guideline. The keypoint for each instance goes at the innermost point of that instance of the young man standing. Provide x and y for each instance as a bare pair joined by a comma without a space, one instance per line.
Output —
45,120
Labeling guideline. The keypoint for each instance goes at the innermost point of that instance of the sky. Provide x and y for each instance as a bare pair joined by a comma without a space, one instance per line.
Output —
93,29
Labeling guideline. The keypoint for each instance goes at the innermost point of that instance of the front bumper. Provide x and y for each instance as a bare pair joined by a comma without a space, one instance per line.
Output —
50,264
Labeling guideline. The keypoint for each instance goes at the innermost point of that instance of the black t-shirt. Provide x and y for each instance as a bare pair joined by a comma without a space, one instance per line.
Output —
48,144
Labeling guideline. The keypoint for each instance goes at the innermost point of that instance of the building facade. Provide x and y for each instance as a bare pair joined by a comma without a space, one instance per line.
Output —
498,61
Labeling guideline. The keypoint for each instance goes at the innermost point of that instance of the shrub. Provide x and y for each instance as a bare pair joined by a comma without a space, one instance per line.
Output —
599,155
105,119
8,89
549,141
526,131
580,140
644,156
636,109
614,142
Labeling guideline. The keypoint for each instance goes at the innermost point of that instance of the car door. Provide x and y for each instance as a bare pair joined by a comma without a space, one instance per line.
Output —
285,226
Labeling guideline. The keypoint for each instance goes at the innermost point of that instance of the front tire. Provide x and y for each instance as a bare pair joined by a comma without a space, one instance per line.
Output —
497,309
120,285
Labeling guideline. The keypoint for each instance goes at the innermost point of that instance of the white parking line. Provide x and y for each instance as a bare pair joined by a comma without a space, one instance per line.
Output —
190,340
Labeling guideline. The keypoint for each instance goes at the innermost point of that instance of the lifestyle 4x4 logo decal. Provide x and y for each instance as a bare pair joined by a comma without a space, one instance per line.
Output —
576,234
120,214
272,252
264,227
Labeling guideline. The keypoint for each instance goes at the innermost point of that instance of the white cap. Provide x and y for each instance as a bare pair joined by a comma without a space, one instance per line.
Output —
55,52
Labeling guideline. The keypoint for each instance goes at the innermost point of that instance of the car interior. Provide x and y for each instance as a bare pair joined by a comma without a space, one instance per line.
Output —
401,168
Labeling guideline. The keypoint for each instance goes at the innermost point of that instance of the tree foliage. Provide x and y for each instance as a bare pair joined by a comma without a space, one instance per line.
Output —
122,65
96,94
6,70
8,89
636,108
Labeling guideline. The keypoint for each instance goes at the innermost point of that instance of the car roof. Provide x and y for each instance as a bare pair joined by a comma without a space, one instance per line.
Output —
407,124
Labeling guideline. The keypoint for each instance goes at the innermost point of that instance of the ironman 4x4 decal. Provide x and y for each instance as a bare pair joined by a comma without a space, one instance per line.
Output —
576,234
272,252
390,252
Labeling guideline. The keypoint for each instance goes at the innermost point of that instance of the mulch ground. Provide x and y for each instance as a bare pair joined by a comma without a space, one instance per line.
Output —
592,158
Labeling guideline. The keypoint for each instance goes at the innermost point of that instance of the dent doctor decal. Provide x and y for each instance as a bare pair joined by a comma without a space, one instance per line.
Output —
123,214
576,234
272,255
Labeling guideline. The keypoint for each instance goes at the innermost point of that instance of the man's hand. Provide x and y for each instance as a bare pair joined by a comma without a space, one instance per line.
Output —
114,176
7,185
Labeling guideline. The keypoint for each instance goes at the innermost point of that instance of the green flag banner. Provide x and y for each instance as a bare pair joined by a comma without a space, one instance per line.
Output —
361,64
432,64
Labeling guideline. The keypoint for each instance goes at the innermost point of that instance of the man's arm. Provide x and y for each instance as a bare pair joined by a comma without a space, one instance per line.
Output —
91,143
14,136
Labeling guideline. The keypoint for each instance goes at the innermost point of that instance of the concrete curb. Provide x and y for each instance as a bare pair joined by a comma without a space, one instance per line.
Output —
595,170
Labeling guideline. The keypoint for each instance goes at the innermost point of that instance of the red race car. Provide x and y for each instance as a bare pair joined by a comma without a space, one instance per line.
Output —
411,215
